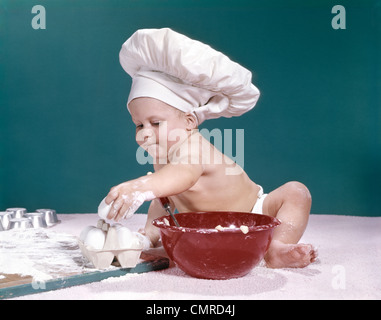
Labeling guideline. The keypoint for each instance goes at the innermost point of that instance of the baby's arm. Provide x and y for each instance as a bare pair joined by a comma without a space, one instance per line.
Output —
155,211
170,180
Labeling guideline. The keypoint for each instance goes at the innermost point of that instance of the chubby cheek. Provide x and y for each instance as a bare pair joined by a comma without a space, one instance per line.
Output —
176,135
171,143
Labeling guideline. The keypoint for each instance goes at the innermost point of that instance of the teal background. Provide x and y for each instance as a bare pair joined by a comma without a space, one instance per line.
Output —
66,136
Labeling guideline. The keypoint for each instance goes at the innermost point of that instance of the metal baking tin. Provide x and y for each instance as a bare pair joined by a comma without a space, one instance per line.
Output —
20,218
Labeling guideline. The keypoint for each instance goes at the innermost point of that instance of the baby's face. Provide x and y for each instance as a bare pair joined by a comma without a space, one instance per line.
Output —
155,123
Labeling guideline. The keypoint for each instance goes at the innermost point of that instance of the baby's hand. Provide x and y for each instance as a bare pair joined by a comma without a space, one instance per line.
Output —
126,198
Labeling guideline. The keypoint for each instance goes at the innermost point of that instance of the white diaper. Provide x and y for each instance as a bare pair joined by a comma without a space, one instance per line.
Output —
259,204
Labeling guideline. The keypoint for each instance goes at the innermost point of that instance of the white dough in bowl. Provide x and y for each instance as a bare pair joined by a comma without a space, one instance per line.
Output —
244,229
103,209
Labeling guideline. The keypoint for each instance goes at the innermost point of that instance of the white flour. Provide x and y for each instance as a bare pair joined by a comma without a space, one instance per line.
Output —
40,253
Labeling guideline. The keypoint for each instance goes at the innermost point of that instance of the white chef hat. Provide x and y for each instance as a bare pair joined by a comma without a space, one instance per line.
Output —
186,74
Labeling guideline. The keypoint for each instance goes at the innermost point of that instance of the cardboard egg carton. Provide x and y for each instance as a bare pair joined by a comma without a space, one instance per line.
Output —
102,259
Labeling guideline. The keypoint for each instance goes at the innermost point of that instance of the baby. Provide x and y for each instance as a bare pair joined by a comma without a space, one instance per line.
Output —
190,171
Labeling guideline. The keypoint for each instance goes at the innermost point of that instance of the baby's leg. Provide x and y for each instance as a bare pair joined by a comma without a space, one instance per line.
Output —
291,204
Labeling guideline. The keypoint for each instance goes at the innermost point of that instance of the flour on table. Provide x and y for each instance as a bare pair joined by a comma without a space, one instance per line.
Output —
40,253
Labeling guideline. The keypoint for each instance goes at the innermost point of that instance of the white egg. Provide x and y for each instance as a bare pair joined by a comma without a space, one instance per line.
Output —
103,209
126,238
84,233
95,238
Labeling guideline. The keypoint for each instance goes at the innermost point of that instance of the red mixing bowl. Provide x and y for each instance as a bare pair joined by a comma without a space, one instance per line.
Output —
202,251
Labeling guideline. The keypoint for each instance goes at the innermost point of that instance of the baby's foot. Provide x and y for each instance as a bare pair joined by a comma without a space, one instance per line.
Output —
281,255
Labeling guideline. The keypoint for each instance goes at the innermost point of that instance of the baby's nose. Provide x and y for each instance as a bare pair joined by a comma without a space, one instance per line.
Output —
147,133
146,136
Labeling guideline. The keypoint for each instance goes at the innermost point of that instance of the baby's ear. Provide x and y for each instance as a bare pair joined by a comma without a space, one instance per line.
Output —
191,121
